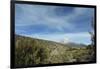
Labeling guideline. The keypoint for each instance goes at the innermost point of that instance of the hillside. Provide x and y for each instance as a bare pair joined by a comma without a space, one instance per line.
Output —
32,51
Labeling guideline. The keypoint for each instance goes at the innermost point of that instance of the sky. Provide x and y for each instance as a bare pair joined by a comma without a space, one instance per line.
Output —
55,23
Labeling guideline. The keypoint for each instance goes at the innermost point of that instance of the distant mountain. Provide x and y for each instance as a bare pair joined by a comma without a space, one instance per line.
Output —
32,51
72,44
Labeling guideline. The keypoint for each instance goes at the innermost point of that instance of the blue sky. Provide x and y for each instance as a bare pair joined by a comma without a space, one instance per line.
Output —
55,23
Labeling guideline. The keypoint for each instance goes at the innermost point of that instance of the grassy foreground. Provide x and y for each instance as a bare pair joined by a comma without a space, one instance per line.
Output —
31,51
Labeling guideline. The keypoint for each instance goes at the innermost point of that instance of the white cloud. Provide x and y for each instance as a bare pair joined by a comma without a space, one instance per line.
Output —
37,14
40,15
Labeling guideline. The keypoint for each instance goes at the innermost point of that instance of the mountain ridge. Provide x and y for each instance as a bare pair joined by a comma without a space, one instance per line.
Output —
71,44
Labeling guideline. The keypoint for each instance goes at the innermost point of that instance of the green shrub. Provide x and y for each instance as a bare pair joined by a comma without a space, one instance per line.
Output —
30,51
